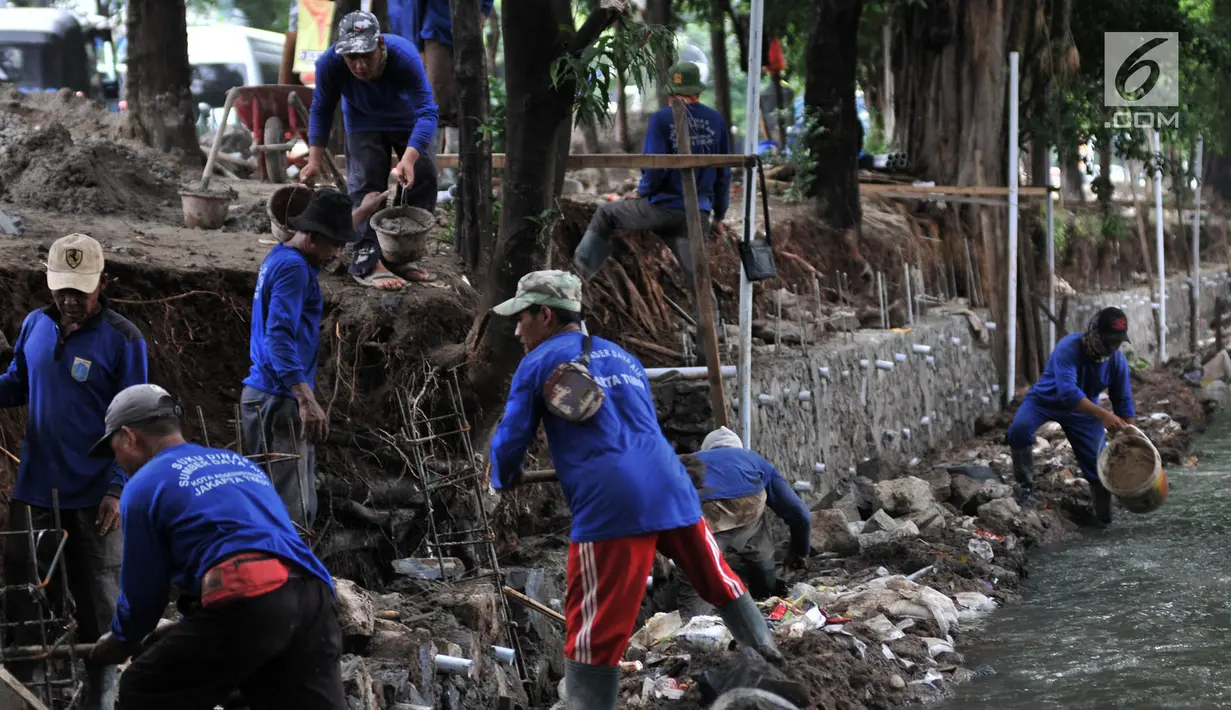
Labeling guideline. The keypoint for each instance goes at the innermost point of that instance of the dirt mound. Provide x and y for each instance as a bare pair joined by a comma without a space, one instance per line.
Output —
45,167
84,118
252,218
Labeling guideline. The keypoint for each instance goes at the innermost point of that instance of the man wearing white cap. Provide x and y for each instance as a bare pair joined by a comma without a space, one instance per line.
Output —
70,359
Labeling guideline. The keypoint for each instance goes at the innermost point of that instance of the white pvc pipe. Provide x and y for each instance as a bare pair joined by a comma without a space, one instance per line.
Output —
1011,333
1196,267
1051,261
751,132
1158,238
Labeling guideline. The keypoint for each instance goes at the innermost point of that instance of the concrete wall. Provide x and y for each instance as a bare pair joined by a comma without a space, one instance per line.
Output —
1141,304
821,413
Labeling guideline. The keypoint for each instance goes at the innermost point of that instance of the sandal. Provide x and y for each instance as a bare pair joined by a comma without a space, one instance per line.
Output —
411,272
375,277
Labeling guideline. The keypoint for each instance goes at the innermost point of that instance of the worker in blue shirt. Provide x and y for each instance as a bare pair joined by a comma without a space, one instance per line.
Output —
69,360
429,24
739,485
1079,369
628,492
658,205
387,107
278,406
257,604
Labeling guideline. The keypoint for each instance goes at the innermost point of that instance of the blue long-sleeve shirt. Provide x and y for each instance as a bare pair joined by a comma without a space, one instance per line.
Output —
736,473
67,386
618,472
400,99
186,510
437,20
709,136
1071,374
286,323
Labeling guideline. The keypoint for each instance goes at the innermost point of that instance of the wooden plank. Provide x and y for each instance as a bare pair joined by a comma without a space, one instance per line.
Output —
14,696
630,161
873,188
701,269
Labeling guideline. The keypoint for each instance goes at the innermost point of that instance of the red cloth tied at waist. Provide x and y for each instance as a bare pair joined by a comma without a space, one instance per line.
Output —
244,576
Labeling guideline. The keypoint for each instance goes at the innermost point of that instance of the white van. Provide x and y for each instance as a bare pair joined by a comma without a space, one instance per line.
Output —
226,56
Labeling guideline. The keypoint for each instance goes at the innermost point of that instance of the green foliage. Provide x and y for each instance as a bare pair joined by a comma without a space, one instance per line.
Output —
494,127
632,47
802,158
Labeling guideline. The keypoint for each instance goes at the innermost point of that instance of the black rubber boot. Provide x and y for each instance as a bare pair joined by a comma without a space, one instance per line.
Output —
591,254
590,687
748,627
1102,502
1023,471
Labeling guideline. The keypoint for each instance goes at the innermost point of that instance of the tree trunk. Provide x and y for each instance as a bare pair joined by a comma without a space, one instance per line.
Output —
830,96
622,128
1217,174
537,122
474,222
658,12
718,61
493,41
950,100
589,131
161,112
1072,179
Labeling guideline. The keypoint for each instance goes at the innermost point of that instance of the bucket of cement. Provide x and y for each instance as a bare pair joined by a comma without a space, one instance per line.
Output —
203,210
1131,469
286,202
402,232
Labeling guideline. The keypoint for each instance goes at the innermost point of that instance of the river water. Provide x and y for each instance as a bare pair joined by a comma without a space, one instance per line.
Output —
1137,616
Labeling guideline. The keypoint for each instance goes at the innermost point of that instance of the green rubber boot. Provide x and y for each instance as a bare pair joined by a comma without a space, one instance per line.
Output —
1023,471
590,687
746,624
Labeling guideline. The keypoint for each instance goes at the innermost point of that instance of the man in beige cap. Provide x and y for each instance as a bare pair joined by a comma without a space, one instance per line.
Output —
70,360
629,494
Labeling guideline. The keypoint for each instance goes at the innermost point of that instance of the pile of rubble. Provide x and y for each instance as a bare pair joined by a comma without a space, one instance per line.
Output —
904,563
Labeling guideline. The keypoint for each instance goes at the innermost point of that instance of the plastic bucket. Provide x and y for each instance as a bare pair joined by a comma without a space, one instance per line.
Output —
286,202
203,211
402,233
1132,470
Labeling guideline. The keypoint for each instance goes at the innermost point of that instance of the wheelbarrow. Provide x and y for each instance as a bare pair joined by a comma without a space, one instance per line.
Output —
277,116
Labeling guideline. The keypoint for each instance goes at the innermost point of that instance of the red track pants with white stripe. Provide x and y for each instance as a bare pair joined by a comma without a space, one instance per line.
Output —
606,582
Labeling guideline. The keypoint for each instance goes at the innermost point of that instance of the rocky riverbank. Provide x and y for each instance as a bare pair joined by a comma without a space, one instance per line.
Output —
904,564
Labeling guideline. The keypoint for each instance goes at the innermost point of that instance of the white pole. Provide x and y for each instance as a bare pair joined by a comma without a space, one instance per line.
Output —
751,133
1158,238
1051,260
1196,267
1011,377
910,307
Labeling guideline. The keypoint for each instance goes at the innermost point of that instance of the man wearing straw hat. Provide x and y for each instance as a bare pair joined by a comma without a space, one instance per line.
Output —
280,417
1079,369
629,494
69,360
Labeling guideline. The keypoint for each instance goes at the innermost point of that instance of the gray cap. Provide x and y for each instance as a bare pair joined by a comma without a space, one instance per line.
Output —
358,33
135,404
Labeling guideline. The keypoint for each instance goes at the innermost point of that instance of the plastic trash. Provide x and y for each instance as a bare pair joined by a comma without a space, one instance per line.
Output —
705,632
981,549
659,628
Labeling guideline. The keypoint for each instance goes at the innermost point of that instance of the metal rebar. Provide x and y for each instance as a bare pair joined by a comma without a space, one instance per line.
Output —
300,470
204,431
239,430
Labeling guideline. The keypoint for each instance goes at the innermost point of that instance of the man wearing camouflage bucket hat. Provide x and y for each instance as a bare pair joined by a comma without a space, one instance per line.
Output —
629,494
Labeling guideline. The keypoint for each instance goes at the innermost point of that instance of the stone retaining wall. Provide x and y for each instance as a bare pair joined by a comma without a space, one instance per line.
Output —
877,395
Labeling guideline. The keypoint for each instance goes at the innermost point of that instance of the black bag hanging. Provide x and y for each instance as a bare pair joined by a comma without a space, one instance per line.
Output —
757,255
